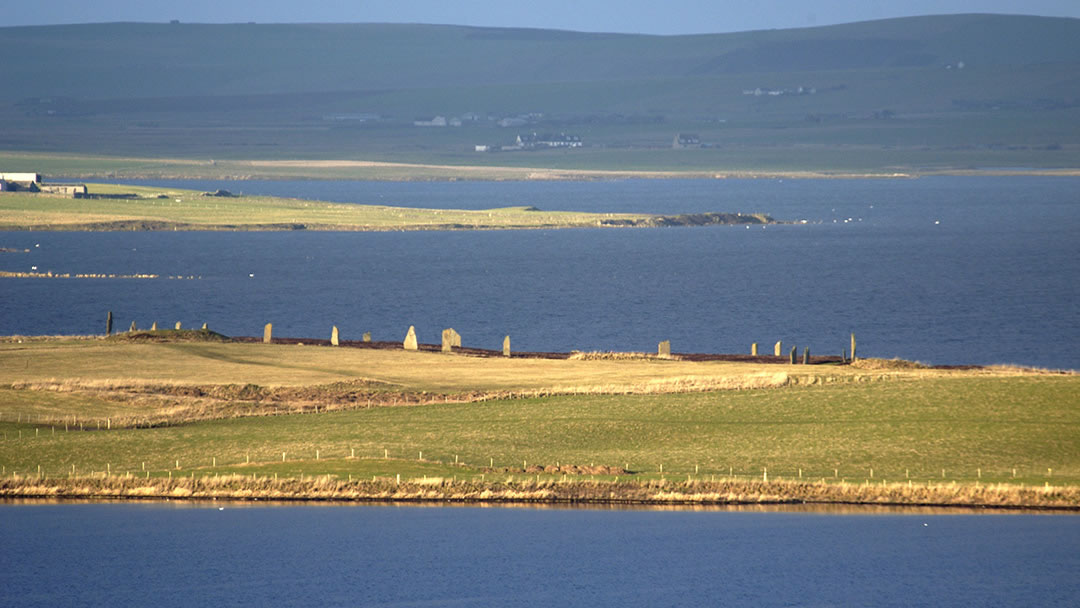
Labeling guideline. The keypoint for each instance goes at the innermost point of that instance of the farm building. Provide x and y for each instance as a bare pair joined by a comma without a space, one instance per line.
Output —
72,190
562,140
32,182
14,182
686,140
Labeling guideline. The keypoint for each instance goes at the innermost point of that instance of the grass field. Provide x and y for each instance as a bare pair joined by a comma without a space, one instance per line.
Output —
163,209
648,419
796,161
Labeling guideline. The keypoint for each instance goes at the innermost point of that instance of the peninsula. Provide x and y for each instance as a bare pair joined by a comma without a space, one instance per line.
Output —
110,207
196,415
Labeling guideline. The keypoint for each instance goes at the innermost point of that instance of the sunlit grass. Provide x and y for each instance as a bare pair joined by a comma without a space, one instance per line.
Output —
188,209
943,429
82,407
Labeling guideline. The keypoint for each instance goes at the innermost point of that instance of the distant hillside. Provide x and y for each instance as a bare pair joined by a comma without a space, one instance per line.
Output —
146,60
938,91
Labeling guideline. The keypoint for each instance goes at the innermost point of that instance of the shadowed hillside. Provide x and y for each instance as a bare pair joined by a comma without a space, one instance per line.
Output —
947,91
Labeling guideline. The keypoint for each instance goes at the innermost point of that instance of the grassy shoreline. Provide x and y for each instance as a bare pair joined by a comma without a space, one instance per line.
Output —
547,491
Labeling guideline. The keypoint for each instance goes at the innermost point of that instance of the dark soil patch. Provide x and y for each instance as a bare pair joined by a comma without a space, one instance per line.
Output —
170,335
565,469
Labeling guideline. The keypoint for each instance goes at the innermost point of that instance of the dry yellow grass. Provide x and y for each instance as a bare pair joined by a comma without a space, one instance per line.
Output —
86,362
164,208
140,384
528,489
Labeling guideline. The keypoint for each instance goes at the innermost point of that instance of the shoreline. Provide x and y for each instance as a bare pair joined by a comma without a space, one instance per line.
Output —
642,221
88,167
482,173
524,490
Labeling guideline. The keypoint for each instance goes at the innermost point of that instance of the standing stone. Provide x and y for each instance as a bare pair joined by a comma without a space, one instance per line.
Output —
778,348
457,338
334,337
852,346
753,349
410,340
448,338
664,349
177,326
367,336
153,326
108,324
268,331
506,346
806,356
132,328
791,355
204,328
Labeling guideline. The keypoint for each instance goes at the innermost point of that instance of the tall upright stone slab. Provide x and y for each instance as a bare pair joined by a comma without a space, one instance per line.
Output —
108,324
334,337
153,326
177,325
778,348
791,355
367,336
410,340
852,346
806,356
506,346
664,349
204,327
133,327
268,333
753,349
450,339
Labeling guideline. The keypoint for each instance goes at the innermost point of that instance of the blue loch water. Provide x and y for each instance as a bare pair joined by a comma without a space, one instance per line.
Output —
945,270
167,555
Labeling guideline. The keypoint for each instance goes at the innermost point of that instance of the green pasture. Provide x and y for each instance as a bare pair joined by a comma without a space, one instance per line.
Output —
964,428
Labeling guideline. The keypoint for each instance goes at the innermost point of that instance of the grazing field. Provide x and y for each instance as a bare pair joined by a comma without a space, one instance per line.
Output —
85,407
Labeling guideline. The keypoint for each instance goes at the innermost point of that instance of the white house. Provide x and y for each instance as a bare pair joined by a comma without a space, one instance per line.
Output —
438,121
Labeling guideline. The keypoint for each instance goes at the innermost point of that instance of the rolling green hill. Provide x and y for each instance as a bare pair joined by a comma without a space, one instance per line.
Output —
928,92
